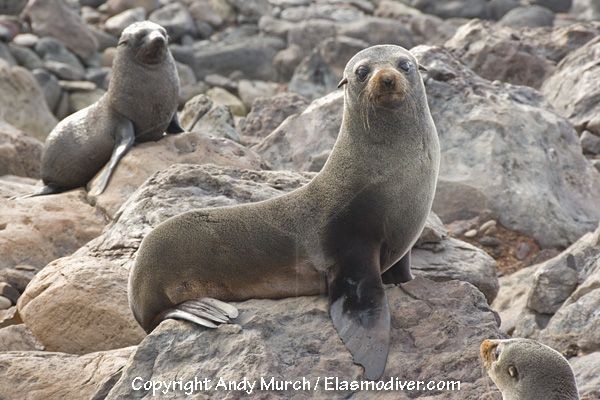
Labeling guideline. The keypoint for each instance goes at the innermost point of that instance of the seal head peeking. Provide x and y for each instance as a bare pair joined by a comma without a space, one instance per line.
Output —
356,220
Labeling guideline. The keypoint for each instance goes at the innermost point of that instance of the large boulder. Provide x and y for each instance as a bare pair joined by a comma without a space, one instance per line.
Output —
37,230
573,90
147,158
22,103
40,375
56,19
87,291
436,331
20,154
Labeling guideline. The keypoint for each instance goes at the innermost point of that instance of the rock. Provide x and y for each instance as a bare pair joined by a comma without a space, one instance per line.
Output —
252,90
54,18
307,35
287,60
18,338
80,99
64,71
83,289
19,154
557,6
203,11
113,7
223,97
12,7
470,233
498,53
566,289
572,89
320,72
52,50
587,374
453,9
204,116
147,158
528,16
5,303
25,57
9,292
43,375
498,8
586,9
25,40
50,87
487,225
6,55
267,113
377,31
455,311
176,19
536,196
295,142
54,226
22,103
116,24
522,251
222,82
252,56
8,318
590,143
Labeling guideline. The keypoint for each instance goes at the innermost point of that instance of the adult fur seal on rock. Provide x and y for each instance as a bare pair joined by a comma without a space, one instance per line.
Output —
524,369
140,105
357,219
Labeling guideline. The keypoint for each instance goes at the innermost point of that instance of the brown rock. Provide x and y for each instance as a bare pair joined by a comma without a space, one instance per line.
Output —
18,338
19,154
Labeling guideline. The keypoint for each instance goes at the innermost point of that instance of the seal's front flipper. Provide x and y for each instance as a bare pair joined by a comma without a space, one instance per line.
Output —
124,139
174,126
360,313
205,312
399,272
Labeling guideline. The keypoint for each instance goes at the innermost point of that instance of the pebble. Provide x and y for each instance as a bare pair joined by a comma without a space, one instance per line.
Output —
489,224
9,292
490,241
523,250
471,233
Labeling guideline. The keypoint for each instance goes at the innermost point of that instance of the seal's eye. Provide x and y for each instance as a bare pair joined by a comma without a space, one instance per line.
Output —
512,371
362,72
405,65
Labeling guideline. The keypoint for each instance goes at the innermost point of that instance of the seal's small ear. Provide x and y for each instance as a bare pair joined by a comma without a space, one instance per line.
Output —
422,68
342,82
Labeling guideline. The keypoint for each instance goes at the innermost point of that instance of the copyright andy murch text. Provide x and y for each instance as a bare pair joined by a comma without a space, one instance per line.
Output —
328,383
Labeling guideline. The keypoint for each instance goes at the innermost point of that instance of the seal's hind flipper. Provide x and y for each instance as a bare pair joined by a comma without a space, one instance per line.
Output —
399,272
174,125
360,313
204,312
47,189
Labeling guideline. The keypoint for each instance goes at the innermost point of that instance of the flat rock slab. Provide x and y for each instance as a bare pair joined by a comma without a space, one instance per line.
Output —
436,332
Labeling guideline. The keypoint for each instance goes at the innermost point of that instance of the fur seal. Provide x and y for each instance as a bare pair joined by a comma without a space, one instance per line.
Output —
355,220
140,105
524,369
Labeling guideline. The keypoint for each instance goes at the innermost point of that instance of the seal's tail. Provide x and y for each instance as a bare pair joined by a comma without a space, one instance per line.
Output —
206,312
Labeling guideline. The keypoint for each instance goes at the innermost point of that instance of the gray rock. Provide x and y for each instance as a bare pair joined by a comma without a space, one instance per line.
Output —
19,154
535,195
572,89
529,16
25,57
12,7
6,55
338,12
80,99
99,76
201,114
498,53
268,113
287,60
113,7
64,71
25,40
249,91
250,10
498,8
56,19
50,87
176,19
377,31
453,9
310,33
587,374
586,9
116,24
51,49
22,102
320,72
557,6
260,345
590,143
251,56
552,285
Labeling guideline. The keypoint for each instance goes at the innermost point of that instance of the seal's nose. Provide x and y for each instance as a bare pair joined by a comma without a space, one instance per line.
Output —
388,80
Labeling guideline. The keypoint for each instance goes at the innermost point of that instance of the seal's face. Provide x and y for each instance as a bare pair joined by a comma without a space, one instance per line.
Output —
382,76
146,41
524,368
